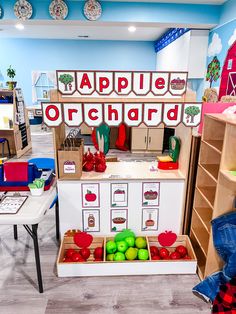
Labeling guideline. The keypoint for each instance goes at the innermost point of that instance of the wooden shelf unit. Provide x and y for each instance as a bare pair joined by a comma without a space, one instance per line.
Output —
215,189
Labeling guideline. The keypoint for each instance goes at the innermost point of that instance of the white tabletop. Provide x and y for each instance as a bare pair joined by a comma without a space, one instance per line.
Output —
33,210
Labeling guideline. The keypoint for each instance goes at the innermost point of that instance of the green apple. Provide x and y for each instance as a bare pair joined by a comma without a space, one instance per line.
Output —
141,243
111,247
110,257
131,253
122,246
143,254
130,241
119,256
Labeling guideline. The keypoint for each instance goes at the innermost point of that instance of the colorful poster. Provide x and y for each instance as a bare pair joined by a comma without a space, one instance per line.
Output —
151,194
119,219
90,195
119,194
150,219
91,220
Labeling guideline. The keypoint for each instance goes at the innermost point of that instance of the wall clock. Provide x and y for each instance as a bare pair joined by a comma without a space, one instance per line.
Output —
58,10
23,10
92,10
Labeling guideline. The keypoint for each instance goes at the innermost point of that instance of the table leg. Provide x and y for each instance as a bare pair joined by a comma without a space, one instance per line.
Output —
33,233
15,232
57,220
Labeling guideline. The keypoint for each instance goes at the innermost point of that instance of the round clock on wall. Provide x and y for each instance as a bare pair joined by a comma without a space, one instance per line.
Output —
58,9
23,10
92,10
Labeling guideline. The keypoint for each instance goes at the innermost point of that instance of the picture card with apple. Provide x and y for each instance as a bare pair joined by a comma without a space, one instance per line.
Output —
150,219
151,194
119,219
91,220
90,195
119,194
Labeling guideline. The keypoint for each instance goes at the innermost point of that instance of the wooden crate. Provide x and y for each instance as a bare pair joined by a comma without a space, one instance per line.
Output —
115,268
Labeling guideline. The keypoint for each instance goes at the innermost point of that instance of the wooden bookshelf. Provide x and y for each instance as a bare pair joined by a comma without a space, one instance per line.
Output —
215,189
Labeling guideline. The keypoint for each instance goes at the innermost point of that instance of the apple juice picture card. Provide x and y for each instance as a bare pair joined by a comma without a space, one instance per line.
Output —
150,219
119,219
151,194
119,194
91,220
90,195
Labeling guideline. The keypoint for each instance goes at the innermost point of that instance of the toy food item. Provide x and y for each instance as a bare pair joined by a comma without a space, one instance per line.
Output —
143,254
119,220
83,239
156,258
122,246
119,195
175,255
110,257
100,162
131,253
141,243
124,234
164,253
181,250
167,238
88,161
67,260
69,253
85,253
111,247
154,250
119,256
177,84
130,241
90,197
101,167
98,252
76,257
150,195
88,166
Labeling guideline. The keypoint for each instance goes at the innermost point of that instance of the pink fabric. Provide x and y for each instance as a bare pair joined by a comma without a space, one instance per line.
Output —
212,108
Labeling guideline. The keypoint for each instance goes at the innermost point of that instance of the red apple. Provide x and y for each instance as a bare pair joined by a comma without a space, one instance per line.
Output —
156,257
181,250
164,253
98,259
85,253
83,239
70,252
154,250
76,257
67,260
90,197
175,255
186,257
98,252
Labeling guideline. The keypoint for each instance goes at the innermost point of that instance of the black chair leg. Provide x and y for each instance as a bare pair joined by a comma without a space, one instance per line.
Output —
37,257
57,220
9,151
15,232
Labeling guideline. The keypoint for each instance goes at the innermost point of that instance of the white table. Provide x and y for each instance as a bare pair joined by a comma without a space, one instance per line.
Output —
32,213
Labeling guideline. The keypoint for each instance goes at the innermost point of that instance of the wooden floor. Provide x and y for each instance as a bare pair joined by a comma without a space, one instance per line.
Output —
96,295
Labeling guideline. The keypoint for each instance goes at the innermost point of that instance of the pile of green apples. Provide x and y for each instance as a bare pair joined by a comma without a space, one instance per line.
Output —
127,248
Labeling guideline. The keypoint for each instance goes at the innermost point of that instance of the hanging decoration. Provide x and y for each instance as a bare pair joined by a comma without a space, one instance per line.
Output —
23,10
0,12
92,10
58,10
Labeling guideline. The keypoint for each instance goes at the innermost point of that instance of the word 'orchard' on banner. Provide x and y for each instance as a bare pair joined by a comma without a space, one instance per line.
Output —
113,114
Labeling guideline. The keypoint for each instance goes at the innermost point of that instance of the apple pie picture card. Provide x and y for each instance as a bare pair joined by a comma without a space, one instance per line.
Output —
119,219
151,194
91,220
119,194
150,217
90,195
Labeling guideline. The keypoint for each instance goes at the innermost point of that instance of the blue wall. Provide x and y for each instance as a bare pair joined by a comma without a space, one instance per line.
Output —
26,55
225,32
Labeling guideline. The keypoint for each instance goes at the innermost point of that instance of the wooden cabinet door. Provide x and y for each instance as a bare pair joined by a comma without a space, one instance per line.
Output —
155,139
139,138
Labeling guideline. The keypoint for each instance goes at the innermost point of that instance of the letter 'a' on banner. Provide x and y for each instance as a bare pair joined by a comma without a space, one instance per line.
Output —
133,114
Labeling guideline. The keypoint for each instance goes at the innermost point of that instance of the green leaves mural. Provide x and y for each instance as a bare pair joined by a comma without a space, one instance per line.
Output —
191,112
66,79
213,70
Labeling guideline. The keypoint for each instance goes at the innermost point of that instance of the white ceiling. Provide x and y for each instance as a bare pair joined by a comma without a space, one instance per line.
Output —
47,29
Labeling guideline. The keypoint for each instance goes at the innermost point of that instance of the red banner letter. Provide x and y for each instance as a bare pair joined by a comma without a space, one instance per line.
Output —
133,114
112,111
103,83
172,114
122,83
150,112
49,115
160,83
70,113
91,114
85,81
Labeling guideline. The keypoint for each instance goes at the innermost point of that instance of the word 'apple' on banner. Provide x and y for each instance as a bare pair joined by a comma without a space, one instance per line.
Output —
121,83
113,114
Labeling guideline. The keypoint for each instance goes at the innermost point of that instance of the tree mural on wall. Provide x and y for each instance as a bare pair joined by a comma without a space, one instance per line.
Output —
213,70
66,79
191,112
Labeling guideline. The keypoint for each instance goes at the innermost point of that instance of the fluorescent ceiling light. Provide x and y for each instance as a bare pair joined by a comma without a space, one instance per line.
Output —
19,26
132,29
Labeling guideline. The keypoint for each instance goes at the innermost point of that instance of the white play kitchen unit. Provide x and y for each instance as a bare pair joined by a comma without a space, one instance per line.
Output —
128,195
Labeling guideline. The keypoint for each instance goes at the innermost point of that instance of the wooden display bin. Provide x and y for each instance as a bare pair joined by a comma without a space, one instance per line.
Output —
136,267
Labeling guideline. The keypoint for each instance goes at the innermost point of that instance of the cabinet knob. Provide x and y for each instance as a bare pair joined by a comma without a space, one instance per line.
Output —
150,139
145,139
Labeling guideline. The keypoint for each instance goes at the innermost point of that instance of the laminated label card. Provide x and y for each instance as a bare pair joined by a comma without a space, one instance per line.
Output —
11,204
